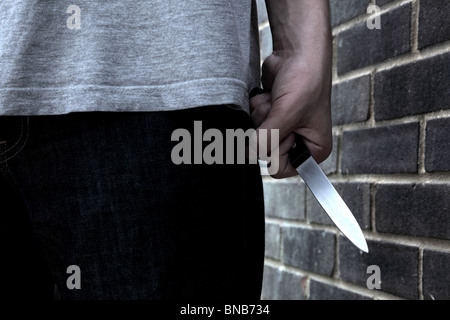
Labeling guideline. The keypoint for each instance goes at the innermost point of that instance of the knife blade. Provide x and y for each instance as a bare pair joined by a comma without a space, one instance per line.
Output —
322,189
325,193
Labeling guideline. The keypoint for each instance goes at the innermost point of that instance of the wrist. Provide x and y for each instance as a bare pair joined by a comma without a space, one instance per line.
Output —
299,25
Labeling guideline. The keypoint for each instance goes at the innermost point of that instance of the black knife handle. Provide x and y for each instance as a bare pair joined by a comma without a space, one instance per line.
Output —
299,152
256,91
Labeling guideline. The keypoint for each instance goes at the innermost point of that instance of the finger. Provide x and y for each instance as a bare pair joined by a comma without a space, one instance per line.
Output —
259,99
281,154
270,132
260,113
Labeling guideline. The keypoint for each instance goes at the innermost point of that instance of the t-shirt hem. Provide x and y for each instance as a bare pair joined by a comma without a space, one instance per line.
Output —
91,98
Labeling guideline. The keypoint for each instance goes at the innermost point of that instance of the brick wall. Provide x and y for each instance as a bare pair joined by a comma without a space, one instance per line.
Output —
390,162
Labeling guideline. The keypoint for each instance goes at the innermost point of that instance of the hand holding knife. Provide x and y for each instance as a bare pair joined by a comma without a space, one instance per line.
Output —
323,190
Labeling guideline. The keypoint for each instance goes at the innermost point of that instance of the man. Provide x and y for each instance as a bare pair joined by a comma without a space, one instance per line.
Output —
90,95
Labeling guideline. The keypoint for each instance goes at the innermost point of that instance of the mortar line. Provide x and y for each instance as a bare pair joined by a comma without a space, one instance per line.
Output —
398,61
336,273
441,114
363,17
387,178
280,245
422,146
421,242
334,58
437,178
339,151
420,275
308,288
435,244
305,204
338,283
371,120
415,25
373,188
301,224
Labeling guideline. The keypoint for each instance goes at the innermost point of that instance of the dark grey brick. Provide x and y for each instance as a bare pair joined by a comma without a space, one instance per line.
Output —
416,88
271,283
307,249
436,275
399,266
344,10
434,22
323,291
285,199
291,287
355,195
390,149
413,209
437,149
350,101
272,249
360,46
382,2
281,285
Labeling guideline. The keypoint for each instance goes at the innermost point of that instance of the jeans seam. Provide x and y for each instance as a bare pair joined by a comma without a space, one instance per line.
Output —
20,139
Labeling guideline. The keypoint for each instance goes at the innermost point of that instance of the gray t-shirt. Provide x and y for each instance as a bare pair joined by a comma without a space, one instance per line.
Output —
59,56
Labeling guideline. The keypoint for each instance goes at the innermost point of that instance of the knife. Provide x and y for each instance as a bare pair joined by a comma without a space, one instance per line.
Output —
322,189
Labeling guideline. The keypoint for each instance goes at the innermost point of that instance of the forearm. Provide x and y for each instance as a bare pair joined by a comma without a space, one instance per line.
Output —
300,26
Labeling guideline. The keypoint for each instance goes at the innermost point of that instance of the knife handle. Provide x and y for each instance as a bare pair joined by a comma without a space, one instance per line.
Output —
299,152
256,91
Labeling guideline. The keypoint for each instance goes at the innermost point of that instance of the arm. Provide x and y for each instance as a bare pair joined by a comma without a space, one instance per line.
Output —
298,76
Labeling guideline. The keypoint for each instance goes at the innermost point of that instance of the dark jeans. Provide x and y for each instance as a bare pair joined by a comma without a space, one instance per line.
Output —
99,191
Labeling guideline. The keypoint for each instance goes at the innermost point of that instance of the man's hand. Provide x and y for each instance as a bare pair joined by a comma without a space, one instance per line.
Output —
298,78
